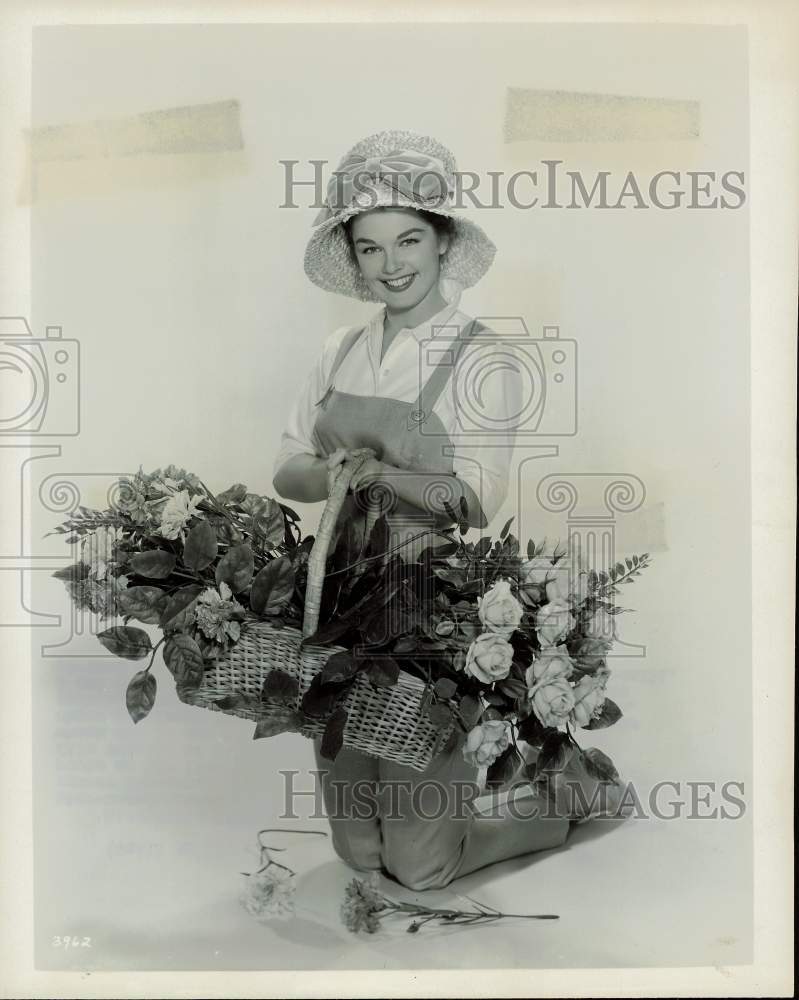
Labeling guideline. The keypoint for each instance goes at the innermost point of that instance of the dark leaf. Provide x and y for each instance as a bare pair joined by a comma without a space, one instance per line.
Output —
440,715
532,731
609,716
155,564
74,572
383,672
276,723
333,737
482,547
327,634
512,688
319,700
450,574
281,687
273,586
146,604
504,768
180,607
506,527
184,659
201,546
339,667
236,567
268,523
126,641
599,765
140,695
445,687
554,751
470,709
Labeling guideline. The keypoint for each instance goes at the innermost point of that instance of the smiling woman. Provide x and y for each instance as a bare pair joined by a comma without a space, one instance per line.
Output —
389,233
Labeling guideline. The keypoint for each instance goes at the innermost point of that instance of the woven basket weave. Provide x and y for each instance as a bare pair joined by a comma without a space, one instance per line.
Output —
381,722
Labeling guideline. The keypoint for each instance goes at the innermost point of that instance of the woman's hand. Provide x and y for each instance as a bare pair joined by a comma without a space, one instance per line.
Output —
369,472
335,460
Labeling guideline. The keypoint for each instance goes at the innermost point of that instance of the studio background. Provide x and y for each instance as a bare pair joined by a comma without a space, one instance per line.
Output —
182,280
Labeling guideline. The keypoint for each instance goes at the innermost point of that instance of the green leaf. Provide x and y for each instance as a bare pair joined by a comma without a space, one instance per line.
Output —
445,687
530,549
278,722
146,604
140,695
201,546
383,672
184,659
281,687
333,736
609,716
236,567
506,528
180,607
273,586
126,641
155,564
339,667
233,494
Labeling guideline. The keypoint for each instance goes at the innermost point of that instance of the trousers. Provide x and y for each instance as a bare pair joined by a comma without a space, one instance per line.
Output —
421,828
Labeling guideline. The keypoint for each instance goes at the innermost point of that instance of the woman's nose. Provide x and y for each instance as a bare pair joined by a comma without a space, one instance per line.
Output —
390,263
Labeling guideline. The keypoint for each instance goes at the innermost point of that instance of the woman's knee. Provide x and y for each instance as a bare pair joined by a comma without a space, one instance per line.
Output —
358,846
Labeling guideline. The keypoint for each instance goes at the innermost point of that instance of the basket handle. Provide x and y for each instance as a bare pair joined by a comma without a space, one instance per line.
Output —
317,560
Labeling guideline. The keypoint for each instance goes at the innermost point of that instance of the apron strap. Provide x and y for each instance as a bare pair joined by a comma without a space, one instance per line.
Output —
442,372
344,347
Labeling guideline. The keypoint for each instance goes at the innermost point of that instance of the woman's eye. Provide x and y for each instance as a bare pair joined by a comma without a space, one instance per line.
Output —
410,239
368,249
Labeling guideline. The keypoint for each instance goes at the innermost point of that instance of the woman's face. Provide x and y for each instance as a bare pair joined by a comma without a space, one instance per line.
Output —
399,254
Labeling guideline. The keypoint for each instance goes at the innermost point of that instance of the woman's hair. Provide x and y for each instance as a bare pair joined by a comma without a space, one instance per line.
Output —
443,225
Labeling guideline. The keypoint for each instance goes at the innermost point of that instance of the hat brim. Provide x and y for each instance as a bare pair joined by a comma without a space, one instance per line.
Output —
329,263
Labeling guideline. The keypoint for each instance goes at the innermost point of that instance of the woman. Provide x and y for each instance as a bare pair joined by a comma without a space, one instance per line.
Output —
388,233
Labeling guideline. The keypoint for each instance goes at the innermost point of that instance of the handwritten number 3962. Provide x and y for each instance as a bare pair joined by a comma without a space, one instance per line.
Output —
60,941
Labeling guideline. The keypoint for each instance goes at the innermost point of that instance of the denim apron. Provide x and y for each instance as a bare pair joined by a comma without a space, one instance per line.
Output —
406,435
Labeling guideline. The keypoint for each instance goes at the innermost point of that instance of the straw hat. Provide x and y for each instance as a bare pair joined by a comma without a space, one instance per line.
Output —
403,170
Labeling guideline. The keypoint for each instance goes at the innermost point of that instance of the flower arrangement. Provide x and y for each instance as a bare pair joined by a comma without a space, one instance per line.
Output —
509,648
199,565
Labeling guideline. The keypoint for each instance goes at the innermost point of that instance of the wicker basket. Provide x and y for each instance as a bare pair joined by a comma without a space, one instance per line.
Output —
381,722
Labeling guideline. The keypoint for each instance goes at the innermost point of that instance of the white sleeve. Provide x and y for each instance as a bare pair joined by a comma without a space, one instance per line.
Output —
485,428
296,437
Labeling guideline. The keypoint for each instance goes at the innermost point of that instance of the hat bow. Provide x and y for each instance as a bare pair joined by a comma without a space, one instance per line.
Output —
415,176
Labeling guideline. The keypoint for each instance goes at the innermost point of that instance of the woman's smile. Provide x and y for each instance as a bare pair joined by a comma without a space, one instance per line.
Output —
399,284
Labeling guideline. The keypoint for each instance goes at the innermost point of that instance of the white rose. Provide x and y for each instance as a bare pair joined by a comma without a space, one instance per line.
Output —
551,664
489,658
178,511
486,742
552,621
498,610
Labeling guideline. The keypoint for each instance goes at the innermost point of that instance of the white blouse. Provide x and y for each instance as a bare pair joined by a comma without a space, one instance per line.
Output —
477,406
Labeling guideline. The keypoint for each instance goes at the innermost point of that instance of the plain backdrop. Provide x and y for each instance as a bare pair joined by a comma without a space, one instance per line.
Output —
182,279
